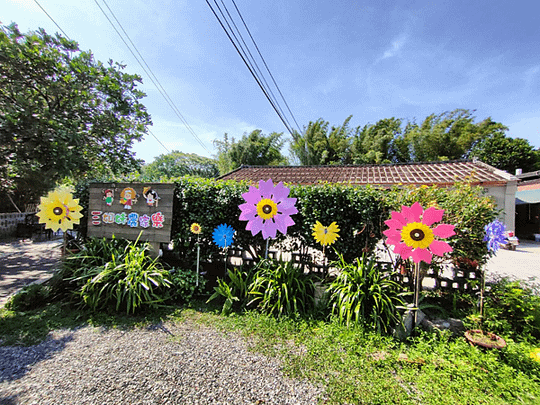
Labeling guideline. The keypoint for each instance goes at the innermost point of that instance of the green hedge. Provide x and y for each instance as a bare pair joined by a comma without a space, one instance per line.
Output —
359,212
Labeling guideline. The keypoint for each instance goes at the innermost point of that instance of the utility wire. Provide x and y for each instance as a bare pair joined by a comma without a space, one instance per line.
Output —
52,19
149,72
67,36
259,75
267,68
248,64
164,147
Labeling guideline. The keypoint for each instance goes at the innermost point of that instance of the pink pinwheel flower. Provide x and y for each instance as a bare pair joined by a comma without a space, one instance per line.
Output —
268,209
411,235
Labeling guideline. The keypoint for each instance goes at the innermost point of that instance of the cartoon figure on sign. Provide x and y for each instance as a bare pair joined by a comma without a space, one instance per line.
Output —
128,197
151,196
108,196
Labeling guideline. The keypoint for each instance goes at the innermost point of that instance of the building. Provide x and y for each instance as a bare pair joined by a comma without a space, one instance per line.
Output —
499,184
528,206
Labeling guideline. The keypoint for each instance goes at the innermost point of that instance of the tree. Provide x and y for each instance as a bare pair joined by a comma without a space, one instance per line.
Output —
507,153
374,142
447,136
319,146
62,113
254,148
176,164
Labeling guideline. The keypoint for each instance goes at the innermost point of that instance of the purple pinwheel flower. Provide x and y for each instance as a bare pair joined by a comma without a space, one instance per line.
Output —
268,209
495,235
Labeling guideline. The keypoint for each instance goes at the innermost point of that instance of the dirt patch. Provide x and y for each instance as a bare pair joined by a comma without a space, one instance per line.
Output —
23,262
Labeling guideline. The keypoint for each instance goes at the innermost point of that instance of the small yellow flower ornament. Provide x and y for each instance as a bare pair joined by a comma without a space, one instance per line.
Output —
195,228
325,235
59,210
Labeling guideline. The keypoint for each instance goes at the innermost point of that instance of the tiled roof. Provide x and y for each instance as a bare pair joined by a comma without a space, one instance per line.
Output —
529,185
440,173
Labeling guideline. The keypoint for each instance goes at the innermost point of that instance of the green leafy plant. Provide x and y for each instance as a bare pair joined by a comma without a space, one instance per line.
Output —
363,294
184,284
235,290
512,308
119,275
30,297
280,288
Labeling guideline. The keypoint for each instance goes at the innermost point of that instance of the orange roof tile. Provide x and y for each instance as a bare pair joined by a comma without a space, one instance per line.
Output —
439,173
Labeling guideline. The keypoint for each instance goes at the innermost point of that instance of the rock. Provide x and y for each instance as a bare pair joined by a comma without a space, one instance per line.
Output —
453,325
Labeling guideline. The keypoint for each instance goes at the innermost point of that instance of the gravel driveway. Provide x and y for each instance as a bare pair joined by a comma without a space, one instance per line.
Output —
183,363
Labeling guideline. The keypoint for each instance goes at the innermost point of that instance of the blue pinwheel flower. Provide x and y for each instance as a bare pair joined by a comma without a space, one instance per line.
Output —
495,235
223,235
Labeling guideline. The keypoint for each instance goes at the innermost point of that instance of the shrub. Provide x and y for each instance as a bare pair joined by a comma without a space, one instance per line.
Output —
358,211
184,284
280,288
235,290
512,308
118,274
30,297
363,294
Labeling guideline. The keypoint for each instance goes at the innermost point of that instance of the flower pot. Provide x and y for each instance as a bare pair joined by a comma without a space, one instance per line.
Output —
484,339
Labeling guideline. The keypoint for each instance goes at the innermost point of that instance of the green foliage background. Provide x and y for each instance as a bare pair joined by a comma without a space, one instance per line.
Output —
359,212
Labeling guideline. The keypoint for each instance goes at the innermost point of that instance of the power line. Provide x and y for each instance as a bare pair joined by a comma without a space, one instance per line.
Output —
164,147
52,19
149,72
248,65
67,36
267,68
259,75
245,58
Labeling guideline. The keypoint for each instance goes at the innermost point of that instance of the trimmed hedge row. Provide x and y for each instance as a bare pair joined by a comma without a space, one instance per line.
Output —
359,212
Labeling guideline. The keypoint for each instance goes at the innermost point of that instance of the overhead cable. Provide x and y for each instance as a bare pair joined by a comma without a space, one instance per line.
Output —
52,19
267,68
67,36
149,72
245,56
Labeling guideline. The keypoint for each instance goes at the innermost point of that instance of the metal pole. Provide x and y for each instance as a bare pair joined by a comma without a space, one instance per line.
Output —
416,292
198,254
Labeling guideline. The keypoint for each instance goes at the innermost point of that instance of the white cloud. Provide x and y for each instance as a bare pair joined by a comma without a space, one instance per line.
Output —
396,46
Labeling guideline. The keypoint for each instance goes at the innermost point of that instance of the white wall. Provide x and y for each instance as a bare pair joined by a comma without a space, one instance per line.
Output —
505,198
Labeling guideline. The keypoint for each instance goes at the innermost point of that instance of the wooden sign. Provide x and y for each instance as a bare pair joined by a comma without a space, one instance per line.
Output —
127,209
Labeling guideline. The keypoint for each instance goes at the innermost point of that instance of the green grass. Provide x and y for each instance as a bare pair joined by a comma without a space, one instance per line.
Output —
355,365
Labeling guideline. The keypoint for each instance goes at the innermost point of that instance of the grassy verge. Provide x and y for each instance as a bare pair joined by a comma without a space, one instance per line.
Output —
355,366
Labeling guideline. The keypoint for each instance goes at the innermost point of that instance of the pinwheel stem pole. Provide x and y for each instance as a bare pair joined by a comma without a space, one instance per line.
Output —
482,291
416,291
64,243
324,261
266,251
198,256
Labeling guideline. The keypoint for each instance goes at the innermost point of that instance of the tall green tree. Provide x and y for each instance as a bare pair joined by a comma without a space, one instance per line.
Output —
507,153
374,143
176,164
447,136
62,113
321,144
254,148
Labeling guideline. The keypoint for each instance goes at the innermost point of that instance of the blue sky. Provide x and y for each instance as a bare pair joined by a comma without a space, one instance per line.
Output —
331,59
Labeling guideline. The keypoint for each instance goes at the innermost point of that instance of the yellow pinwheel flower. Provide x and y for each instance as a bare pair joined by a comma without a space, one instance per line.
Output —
195,228
59,210
325,235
